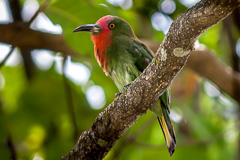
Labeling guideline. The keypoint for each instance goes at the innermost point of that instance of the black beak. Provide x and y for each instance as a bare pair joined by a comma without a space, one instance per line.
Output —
89,28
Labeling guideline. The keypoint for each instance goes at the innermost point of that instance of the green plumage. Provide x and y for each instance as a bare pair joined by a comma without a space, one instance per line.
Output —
125,58
126,62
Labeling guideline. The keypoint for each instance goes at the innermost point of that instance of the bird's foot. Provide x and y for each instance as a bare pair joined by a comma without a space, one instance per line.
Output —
118,94
126,86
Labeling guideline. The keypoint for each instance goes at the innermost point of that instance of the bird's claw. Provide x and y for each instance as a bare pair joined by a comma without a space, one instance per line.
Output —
118,94
126,86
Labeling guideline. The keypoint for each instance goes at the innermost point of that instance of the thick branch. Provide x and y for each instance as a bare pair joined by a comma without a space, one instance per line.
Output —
123,112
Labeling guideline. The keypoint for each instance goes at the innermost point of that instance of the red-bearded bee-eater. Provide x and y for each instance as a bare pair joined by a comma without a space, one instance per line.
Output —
123,57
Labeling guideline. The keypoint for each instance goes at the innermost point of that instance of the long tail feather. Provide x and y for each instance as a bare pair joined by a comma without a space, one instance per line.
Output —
168,133
162,110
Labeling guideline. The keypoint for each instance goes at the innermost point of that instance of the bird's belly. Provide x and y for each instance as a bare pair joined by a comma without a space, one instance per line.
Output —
123,75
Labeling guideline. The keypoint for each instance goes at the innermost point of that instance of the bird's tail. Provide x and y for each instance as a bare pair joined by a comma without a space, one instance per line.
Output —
162,111
168,132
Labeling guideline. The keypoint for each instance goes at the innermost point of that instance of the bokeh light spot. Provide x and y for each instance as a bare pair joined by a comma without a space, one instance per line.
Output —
211,90
168,6
36,137
4,15
175,116
189,3
161,22
96,97
77,72
29,9
238,47
124,4
14,59
44,24
43,58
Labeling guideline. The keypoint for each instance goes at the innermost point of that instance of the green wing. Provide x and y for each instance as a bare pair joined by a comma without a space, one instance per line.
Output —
165,100
141,53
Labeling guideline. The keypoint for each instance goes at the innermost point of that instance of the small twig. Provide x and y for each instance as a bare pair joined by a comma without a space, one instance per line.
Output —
42,7
8,55
11,148
69,100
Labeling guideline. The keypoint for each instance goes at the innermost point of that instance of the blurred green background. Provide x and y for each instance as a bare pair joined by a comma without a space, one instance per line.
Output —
43,111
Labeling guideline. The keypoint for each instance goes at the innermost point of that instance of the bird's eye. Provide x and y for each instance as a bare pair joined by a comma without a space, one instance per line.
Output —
111,26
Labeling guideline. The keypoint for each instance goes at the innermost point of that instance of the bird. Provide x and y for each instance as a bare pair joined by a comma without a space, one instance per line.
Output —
123,57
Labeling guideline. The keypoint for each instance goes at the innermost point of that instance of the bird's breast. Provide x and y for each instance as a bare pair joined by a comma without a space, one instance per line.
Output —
122,71
102,42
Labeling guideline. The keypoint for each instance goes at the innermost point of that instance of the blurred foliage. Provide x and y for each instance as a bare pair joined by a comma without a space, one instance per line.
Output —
35,115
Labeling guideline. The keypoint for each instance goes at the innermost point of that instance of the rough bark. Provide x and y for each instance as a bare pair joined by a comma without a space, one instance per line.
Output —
123,112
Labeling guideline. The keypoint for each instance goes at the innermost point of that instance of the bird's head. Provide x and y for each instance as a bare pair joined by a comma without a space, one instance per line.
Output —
112,26
107,32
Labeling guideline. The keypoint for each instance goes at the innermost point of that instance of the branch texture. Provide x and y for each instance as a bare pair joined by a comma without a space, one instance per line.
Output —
123,112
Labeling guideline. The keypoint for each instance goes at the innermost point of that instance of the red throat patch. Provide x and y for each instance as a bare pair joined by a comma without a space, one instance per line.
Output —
102,42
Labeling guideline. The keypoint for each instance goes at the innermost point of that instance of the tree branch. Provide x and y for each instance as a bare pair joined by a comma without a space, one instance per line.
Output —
11,147
123,112
7,56
31,39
